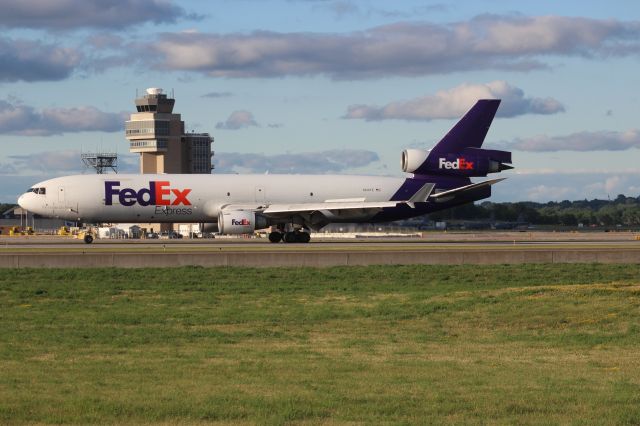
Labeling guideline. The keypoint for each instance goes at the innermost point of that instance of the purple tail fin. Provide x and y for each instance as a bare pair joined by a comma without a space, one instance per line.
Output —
459,153
471,130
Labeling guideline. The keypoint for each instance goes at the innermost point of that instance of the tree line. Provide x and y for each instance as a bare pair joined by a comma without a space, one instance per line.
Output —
622,210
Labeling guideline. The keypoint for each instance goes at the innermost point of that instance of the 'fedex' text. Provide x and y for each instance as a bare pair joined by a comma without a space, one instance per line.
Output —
459,164
159,193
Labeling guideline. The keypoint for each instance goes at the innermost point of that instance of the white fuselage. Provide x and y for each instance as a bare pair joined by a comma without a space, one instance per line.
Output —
192,198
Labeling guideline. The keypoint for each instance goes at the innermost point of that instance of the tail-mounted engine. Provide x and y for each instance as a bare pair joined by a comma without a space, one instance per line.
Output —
468,162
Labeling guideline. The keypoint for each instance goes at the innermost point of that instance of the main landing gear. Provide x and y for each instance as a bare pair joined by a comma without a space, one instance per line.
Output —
296,236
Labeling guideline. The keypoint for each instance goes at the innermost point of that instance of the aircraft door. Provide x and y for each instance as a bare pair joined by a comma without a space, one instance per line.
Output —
61,196
60,201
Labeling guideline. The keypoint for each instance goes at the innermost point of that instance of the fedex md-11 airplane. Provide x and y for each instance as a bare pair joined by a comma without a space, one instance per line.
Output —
238,204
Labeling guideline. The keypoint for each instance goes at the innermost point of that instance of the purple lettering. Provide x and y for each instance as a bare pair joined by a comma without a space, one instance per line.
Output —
109,191
127,197
151,192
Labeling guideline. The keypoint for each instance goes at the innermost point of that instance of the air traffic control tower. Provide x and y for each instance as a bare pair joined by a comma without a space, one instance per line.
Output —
158,135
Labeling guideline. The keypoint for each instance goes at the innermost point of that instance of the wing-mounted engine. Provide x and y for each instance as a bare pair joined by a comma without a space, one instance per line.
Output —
468,162
241,222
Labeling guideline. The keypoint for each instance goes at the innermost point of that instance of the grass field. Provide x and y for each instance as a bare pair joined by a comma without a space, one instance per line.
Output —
524,344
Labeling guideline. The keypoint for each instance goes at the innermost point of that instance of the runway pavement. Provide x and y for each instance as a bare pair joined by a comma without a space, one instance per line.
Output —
436,248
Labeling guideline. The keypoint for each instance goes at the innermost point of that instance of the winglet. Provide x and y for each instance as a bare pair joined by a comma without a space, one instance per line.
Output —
421,195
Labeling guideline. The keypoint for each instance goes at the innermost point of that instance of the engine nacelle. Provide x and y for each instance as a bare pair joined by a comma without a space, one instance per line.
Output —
240,222
412,159
468,162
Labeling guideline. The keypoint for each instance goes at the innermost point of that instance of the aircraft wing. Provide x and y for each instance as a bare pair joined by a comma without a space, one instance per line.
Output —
348,204
317,214
331,205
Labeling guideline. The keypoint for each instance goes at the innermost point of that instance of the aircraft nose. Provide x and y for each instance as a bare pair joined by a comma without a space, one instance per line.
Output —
26,202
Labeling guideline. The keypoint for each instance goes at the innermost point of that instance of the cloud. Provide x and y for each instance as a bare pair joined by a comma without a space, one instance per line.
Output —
24,120
340,8
217,95
28,60
553,185
25,170
331,161
581,141
48,164
52,162
400,49
453,103
71,14
237,120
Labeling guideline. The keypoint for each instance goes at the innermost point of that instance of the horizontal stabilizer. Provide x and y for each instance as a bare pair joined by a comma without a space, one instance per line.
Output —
467,188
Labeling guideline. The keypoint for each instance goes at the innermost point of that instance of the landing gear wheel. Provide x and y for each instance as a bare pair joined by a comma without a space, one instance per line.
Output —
296,237
275,237
88,239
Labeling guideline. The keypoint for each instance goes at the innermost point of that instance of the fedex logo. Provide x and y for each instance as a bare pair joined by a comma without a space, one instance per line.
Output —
241,222
159,193
459,164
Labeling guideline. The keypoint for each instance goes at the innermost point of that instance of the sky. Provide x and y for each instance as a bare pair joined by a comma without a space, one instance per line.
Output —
329,86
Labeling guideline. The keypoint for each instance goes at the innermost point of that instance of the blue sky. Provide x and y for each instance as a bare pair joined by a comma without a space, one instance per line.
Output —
329,86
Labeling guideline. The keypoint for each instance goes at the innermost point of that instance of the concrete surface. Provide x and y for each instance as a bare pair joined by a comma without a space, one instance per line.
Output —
442,248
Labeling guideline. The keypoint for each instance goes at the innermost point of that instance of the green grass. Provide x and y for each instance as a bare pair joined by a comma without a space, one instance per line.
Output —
526,344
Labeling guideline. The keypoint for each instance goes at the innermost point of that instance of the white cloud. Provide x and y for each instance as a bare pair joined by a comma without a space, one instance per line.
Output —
70,14
545,193
453,103
581,141
24,120
547,185
238,120
48,164
217,95
331,161
28,60
401,49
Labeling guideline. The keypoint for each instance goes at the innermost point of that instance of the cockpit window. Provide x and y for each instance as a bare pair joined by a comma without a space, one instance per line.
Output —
40,191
